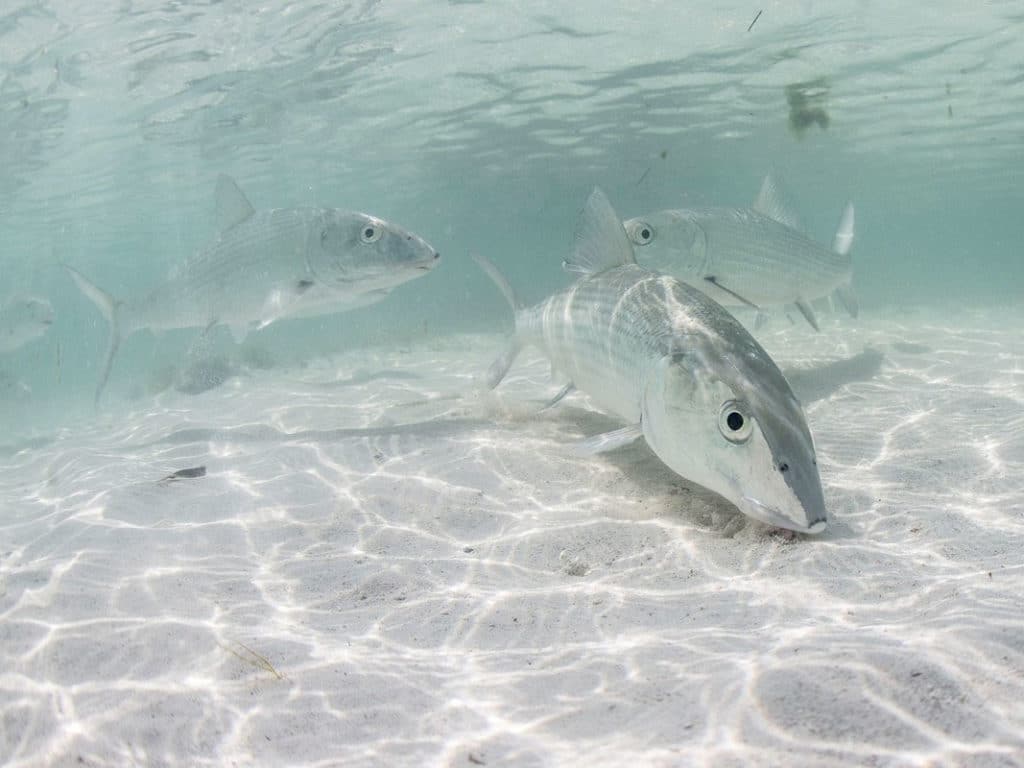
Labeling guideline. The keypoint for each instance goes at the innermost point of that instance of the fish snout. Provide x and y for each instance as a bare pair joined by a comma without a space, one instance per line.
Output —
802,521
427,265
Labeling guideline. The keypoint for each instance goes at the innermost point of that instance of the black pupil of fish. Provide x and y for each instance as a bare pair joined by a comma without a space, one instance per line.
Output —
735,421
645,234
368,233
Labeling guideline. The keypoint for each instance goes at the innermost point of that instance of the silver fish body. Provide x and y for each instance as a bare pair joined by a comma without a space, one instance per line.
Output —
698,387
747,256
23,319
292,262
267,265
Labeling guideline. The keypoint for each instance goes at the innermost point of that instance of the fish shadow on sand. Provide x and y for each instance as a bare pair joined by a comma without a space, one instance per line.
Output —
434,428
811,384
365,377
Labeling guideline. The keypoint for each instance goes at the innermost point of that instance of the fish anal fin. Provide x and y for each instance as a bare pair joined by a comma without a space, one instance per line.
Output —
600,241
233,207
717,283
848,298
807,312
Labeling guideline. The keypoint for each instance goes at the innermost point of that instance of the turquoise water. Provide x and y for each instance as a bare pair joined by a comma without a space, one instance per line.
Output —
483,127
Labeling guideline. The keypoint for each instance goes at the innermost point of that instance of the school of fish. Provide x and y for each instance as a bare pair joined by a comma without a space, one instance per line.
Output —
644,329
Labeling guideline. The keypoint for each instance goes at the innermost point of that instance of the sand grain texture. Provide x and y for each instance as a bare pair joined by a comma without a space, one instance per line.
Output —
391,570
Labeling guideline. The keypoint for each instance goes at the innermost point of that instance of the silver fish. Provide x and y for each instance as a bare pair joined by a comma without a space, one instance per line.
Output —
749,256
679,370
22,319
268,265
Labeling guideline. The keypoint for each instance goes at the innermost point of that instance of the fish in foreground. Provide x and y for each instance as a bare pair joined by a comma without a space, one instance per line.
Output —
267,265
22,319
679,370
756,257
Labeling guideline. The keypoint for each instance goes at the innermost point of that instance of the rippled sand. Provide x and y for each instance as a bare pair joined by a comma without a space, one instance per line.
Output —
381,566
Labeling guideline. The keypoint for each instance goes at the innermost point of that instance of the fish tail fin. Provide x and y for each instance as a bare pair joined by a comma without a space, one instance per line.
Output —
500,367
500,280
841,244
843,240
108,306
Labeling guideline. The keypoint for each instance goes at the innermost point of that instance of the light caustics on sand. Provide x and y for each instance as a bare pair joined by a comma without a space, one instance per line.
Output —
417,577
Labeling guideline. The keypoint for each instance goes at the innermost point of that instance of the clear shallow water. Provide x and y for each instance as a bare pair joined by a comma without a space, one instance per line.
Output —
483,127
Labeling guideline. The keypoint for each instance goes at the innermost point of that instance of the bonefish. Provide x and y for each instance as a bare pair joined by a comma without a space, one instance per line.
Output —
679,370
757,256
267,265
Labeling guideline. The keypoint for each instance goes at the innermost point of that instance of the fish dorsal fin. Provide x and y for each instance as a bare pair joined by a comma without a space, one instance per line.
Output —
775,204
233,207
600,242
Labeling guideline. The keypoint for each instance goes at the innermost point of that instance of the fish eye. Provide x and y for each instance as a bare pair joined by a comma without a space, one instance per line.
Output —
640,232
734,423
784,467
371,233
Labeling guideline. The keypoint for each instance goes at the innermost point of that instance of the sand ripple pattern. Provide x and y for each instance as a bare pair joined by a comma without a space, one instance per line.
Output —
381,567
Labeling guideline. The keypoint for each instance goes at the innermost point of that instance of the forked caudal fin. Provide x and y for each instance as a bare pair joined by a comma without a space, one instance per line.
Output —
504,361
108,306
843,240
841,244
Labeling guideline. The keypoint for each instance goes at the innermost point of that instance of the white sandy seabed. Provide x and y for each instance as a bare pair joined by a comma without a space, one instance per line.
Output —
383,567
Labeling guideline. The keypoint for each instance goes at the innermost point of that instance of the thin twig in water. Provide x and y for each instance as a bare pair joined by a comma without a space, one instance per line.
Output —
755,20
255,659
644,176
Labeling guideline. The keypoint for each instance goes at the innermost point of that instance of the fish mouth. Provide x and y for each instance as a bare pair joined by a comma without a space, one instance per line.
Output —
428,265
773,516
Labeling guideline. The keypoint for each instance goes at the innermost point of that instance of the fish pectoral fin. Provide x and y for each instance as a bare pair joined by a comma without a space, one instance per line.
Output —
276,305
600,241
233,207
609,441
568,388
718,284
807,312
238,331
